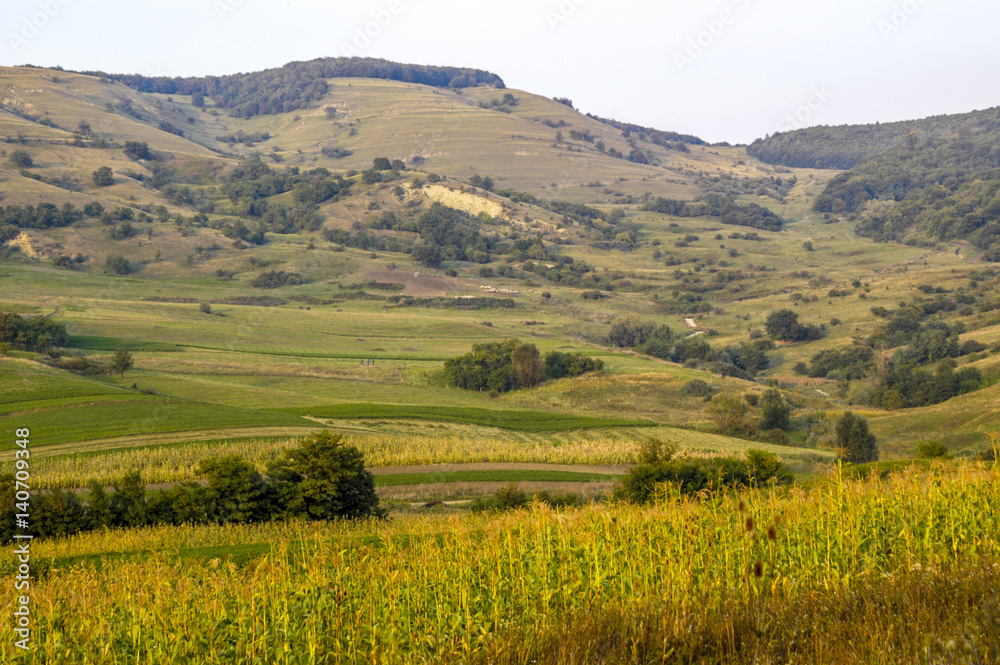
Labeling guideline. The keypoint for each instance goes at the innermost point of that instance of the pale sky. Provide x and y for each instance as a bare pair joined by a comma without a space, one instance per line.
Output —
725,70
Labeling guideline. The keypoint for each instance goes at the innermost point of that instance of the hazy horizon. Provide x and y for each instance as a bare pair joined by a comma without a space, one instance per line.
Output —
726,70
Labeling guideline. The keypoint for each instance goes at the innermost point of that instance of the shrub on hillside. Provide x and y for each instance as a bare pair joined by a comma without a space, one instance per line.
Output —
116,264
784,325
697,388
274,279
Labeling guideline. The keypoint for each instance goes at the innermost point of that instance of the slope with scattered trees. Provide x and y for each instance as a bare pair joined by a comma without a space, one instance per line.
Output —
298,84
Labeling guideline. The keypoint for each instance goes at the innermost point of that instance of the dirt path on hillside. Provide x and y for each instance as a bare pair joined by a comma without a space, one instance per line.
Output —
610,470
967,249
443,491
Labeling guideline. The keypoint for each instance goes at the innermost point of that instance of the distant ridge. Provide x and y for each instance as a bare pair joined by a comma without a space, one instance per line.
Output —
845,146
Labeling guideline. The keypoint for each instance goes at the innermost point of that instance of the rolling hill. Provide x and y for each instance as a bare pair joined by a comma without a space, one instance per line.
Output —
337,251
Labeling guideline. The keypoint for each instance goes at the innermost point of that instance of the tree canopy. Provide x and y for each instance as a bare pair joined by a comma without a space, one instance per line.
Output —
504,366
298,84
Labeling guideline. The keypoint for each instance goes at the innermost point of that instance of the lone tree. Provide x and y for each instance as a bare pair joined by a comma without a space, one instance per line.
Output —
324,479
116,264
784,325
729,414
137,150
122,362
856,440
774,410
21,159
103,177
529,369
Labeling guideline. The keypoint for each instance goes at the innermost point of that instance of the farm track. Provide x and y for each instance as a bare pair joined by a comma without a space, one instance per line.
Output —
120,442
452,468
512,466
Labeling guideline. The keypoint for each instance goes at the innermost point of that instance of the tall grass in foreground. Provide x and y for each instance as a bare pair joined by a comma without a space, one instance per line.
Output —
835,574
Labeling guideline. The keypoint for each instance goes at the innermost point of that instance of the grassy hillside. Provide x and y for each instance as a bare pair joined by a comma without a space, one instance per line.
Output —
214,269
548,239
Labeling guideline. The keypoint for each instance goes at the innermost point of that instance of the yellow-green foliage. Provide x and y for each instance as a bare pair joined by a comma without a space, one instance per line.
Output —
421,588
397,444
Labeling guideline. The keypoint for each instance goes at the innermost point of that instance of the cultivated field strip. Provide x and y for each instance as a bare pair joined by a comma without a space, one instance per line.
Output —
384,444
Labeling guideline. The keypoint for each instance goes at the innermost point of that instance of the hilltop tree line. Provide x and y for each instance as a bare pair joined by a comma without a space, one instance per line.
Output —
658,137
298,84
500,367
846,146
320,479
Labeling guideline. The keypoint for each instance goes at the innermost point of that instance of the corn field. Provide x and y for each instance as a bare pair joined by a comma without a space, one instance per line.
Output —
449,588
453,445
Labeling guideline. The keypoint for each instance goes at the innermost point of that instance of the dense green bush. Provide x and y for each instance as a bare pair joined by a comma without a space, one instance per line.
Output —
116,264
697,388
274,279
503,366
783,324
690,475
35,333
21,159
